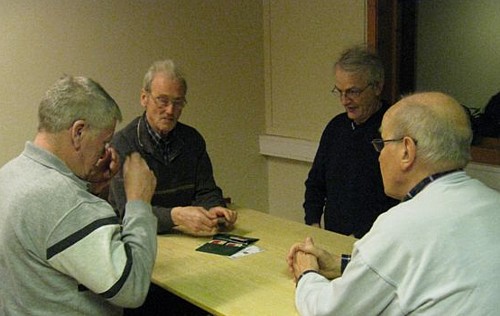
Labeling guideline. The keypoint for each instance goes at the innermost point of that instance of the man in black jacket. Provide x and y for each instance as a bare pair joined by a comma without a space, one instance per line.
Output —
344,184
187,198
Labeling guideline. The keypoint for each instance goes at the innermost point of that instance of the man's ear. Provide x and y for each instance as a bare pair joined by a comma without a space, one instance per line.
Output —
378,87
77,130
410,152
144,98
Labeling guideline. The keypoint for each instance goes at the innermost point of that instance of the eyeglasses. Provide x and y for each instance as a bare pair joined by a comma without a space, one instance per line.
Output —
164,101
379,143
351,93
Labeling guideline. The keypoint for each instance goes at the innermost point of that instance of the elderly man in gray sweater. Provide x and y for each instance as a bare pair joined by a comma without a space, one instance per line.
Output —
62,249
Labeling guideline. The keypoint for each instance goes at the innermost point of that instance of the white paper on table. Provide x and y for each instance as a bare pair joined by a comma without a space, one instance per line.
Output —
250,250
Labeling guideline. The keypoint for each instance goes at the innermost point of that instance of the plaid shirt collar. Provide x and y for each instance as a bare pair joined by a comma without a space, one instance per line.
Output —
157,140
167,146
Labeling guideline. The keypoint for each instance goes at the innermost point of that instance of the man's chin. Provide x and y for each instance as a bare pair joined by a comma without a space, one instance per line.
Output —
166,129
352,115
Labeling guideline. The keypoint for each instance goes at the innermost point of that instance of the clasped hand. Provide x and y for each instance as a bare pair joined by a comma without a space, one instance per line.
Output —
306,256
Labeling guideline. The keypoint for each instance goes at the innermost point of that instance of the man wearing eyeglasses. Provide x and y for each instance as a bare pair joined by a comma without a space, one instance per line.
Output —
187,198
436,252
344,185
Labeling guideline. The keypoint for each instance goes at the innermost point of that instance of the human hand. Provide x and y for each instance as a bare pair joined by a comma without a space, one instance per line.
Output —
139,180
194,220
300,261
226,217
104,170
328,264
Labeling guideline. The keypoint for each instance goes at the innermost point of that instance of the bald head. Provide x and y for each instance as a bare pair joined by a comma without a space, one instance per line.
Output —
442,106
438,123
424,134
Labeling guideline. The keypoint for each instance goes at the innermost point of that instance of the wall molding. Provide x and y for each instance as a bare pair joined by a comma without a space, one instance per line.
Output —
305,150
287,147
484,167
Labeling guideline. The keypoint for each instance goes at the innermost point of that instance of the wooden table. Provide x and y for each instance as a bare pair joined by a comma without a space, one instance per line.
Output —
258,284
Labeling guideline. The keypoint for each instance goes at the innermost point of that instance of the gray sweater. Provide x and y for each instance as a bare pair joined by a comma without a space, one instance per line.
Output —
62,250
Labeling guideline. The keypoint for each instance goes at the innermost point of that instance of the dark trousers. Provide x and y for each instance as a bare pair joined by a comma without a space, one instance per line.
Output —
162,302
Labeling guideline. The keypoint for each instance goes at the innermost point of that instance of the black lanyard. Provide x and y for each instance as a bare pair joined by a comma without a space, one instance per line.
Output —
422,184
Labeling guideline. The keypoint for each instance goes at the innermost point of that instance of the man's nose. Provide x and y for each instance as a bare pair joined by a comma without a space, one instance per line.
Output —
169,108
344,100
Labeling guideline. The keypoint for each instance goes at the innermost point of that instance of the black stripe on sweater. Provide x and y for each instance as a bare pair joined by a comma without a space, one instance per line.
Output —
79,235
126,272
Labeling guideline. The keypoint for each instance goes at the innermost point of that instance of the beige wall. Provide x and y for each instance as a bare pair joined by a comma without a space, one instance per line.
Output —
218,44
286,187
303,39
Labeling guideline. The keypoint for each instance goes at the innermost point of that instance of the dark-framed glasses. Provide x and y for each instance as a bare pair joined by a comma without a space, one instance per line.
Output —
163,101
379,143
351,93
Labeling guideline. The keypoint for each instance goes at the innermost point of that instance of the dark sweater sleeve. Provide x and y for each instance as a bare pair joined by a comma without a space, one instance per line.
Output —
315,193
207,193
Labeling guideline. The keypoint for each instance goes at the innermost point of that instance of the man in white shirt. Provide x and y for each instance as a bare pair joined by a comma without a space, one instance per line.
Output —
435,253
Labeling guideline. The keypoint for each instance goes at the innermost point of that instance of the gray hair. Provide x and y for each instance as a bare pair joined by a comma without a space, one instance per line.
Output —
166,67
443,139
359,59
76,98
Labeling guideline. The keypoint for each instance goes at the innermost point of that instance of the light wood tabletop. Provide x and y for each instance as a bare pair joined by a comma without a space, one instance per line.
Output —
257,284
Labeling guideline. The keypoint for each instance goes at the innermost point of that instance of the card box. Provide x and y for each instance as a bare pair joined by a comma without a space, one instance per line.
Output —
226,244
